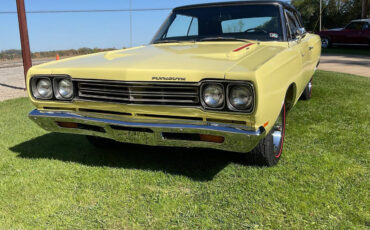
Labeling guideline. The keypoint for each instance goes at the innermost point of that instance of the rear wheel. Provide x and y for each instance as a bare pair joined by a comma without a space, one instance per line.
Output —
307,93
269,149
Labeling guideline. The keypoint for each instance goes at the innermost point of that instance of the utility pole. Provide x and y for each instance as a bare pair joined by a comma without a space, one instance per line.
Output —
23,32
320,15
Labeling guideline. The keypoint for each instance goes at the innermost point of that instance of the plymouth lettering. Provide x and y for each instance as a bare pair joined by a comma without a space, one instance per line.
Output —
169,78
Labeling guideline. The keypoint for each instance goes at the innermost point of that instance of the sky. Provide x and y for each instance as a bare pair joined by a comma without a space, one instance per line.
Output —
75,30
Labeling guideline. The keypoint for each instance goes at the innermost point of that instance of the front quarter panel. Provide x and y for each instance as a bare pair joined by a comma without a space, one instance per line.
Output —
271,79
284,70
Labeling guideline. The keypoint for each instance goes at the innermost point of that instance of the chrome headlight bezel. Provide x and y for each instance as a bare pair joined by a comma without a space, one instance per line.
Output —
227,86
56,83
34,89
231,107
54,80
202,99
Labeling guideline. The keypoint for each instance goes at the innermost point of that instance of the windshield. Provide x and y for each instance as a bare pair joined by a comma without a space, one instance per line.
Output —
254,22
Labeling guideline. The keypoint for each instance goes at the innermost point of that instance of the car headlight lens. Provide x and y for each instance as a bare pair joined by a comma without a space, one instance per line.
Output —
65,88
213,95
241,97
44,89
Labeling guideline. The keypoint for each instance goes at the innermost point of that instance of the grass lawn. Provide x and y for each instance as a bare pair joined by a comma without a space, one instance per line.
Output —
58,181
354,50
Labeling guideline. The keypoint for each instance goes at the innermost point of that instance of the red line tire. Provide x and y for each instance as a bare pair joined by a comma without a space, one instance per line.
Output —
269,150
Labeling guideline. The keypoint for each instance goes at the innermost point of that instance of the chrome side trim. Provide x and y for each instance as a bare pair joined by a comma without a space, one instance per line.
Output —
237,138
284,27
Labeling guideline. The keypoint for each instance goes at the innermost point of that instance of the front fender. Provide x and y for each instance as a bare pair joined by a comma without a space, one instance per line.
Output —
272,82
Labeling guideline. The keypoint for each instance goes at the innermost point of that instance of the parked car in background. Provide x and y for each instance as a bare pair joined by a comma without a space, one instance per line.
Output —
357,32
217,75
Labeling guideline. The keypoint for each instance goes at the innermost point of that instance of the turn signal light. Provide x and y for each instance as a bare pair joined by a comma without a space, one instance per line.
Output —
211,138
70,125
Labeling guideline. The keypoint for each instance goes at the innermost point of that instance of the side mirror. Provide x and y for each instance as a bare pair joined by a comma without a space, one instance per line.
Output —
301,32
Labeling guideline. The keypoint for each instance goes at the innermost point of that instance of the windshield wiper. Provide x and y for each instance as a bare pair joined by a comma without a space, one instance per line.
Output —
172,41
222,39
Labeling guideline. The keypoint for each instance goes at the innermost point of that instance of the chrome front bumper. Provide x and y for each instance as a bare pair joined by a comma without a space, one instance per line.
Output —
150,132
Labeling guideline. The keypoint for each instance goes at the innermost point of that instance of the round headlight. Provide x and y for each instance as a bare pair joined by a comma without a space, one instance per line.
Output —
241,97
213,95
65,88
44,89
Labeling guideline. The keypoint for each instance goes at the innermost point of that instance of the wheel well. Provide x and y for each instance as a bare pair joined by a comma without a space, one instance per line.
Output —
290,96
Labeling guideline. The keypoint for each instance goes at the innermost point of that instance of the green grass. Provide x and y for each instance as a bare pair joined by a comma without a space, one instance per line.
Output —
322,181
352,50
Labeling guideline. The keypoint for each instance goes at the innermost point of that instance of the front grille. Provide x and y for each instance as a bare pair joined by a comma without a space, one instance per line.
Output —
186,94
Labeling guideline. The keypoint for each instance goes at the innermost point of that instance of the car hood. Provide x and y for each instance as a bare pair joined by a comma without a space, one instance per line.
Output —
335,29
164,62
330,31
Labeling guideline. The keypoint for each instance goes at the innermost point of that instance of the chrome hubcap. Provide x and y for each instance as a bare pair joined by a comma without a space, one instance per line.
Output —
277,133
324,42
309,86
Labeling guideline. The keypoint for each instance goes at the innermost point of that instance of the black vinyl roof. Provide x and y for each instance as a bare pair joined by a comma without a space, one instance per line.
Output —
285,4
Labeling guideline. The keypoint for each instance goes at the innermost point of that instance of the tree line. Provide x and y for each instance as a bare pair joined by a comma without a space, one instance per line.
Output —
335,13
17,54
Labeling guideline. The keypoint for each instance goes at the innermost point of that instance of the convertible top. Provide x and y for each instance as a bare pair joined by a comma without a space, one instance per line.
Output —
285,4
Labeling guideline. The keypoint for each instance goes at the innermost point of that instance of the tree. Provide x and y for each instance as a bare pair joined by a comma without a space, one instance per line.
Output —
309,10
365,4
332,8
335,13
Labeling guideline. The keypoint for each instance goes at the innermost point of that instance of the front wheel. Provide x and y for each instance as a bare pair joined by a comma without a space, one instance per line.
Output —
269,149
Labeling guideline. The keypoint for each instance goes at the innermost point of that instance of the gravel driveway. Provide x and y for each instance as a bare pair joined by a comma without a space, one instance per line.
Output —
352,64
12,78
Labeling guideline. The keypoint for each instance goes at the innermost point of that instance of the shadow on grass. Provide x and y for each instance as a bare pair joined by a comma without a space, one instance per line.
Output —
337,49
195,163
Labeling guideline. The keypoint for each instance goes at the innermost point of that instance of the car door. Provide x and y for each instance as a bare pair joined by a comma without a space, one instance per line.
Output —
352,33
314,47
300,44
365,36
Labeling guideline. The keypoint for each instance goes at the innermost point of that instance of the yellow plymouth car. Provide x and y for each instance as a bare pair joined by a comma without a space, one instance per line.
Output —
218,75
